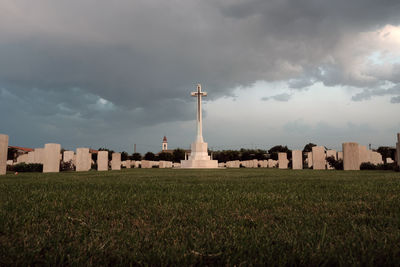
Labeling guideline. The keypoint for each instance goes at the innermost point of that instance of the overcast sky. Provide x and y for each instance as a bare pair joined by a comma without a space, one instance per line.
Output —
100,73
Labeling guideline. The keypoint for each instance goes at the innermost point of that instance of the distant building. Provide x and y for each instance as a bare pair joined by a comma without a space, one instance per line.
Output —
164,148
164,144
21,150
18,151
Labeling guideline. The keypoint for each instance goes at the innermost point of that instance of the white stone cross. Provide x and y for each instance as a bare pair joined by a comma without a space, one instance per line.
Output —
199,94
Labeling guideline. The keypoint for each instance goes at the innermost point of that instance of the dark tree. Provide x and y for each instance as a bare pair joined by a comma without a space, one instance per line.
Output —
308,147
337,164
12,153
136,156
276,149
124,155
387,152
149,156
178,155
165,156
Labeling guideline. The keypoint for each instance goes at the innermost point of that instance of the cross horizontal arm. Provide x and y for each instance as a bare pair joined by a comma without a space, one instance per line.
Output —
197,93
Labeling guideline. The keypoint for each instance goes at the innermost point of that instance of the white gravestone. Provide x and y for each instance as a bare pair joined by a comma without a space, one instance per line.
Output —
146,164
68,156
102,161
398,150
3,153
51,161
297,160
116,161
39,155
351,156
363,154
83,159
282,160
31,157
23,158
128,164
340,155
319,158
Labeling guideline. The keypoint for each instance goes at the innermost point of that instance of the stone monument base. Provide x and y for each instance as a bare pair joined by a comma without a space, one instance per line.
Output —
199,158
199,164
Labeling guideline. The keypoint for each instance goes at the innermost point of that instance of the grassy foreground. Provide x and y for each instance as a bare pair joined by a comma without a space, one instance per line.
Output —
213,217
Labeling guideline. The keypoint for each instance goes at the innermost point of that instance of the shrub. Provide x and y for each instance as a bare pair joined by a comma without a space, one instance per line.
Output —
66,166
368,166
387,167
149,156
381,167
337,164
31,167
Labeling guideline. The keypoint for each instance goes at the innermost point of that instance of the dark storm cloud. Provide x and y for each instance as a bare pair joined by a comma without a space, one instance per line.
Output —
141,59
135,53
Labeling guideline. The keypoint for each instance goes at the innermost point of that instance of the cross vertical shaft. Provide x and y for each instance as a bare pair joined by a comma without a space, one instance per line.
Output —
199,94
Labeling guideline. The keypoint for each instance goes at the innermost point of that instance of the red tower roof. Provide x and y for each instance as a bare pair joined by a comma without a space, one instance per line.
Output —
164,139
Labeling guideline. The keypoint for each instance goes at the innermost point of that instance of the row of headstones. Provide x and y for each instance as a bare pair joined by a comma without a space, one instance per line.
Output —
50,157
353,156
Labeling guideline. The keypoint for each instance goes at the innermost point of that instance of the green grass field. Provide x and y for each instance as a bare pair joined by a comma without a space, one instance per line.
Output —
206,217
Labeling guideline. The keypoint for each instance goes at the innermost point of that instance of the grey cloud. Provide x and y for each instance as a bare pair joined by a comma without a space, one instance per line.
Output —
367,94
300,83
280,97
395,99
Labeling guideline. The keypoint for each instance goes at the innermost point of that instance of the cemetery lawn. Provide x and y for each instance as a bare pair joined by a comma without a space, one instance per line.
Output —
206,217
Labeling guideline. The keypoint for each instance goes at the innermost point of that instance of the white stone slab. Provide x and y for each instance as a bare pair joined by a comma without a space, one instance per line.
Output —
282,160
398,150
23,158
31,157
83,159
68,156
102,161
146,164
351,156
340,155
116,161
297,160
51,161
3,153
319,158
363,154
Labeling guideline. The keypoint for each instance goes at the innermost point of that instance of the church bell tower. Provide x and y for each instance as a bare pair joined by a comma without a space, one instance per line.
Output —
164,144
